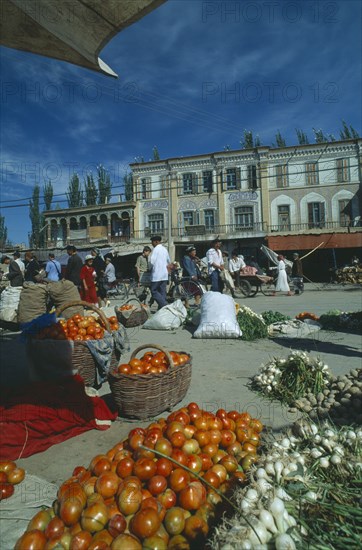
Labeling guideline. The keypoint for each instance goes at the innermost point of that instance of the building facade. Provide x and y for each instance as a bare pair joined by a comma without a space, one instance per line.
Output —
291,198
102,224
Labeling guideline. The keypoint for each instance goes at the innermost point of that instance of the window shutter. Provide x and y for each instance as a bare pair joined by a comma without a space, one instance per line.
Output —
310,212
194,183
322,212
222,183
148,188
339,170
238,178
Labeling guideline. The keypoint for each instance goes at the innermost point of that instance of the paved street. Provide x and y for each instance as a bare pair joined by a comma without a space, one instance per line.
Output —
221,370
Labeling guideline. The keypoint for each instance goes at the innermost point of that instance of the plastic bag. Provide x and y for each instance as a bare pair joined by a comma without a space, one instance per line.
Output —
167,318
218,317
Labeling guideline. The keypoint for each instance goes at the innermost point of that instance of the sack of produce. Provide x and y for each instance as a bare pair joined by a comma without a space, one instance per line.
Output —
218,317
62,292
9,303
167,318
132,315
33,302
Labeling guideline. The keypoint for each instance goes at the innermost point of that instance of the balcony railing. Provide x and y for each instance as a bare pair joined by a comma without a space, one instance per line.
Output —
296,227
229,229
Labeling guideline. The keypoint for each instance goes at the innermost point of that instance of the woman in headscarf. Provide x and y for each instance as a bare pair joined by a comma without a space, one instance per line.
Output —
282,280
88,276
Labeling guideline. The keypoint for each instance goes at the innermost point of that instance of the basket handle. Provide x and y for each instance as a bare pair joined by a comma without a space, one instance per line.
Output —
104,319
157,346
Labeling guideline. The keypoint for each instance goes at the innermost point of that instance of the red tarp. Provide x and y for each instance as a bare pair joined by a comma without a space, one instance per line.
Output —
36,416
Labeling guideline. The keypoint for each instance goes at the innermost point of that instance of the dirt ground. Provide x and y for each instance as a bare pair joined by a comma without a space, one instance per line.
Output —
220,371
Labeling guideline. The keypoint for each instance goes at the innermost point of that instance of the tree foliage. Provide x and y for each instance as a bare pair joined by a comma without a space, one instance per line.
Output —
37,236
91,191
3,232
320,136
280,141
48,194
302,137
104,185
155,153
74,193
128,186
248,141
348,132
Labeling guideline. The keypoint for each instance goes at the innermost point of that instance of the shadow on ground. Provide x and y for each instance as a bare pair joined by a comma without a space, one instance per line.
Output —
311,344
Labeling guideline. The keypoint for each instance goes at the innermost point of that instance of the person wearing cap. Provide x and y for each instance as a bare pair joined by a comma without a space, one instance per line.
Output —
88,277
189,264
297,273
14,274
74,266
19,261
159,262
99,265
53,268
110,271
192,270
236,263
215,264
143,273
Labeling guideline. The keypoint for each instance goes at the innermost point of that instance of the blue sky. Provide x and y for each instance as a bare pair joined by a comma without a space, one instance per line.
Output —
192,76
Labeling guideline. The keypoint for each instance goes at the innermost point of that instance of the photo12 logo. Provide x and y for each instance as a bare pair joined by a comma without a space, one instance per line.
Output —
268,92
269,12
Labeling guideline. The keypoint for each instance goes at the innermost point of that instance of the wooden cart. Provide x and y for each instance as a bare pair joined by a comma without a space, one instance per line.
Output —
250,285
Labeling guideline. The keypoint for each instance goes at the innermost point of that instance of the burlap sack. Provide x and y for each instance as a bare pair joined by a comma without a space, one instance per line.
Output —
33,302
63,292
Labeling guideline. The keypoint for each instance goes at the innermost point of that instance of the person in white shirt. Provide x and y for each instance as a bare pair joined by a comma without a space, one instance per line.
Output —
19,261
109,272
159,262
215,265
235,264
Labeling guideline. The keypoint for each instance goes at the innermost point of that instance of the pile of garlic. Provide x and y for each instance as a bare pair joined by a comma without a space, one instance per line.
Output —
264,521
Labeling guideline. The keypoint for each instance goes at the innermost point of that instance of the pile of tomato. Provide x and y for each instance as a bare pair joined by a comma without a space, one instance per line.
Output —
153,363
10,475
78,327
126,307
307,315
132,498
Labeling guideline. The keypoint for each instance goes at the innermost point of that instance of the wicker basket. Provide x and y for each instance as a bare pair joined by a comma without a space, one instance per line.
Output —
144,396
47,356
132,317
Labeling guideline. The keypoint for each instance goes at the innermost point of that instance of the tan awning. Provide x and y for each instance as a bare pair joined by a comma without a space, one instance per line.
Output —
70,30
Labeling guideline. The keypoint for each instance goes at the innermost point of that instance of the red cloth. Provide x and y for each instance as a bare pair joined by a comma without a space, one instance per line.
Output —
87,274
36,416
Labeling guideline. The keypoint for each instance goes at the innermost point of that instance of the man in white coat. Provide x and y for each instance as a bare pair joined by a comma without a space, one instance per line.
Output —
159,261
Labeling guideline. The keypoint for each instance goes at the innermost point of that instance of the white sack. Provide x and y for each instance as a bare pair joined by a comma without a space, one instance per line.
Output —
218,317
167,318
9,303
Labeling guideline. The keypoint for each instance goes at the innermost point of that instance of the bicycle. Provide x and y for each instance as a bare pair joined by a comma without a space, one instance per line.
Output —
296,285
185,289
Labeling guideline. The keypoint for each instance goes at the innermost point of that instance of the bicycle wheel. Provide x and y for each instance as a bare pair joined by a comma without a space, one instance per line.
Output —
267,289
245,288
178,293
122,291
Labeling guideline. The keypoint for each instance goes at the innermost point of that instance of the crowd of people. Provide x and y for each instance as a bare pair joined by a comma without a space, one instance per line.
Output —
153,268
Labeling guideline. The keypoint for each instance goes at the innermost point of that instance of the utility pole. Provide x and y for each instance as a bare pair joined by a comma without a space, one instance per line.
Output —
171,247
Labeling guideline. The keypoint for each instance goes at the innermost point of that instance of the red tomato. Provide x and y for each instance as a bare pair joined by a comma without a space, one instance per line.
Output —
145,523
144,469
31,540
164,467
179,479
107,484
125,467
6,490
117,525
175,521
157,485
193,496
167,499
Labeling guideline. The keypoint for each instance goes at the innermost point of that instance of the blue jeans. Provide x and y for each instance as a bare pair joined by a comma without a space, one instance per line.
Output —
216,282
158,290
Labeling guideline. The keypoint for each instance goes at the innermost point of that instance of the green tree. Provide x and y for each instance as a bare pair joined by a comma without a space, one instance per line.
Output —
91,192
37,236
302,137
48,194
156,154
280,141
74,193
319,136
104,185
3,232
248,141
348,132
128,186
227,147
